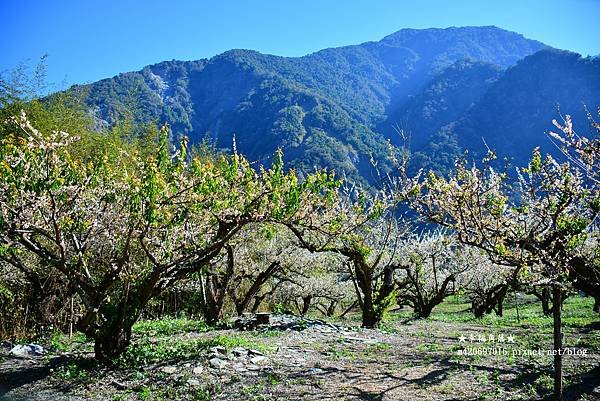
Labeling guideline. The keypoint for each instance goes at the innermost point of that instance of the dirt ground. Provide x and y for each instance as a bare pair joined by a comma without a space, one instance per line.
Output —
411,360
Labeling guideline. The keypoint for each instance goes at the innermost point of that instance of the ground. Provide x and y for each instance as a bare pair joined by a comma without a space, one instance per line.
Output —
406,359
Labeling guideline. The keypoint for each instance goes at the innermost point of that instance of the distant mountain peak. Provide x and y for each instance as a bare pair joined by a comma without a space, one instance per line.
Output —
450,32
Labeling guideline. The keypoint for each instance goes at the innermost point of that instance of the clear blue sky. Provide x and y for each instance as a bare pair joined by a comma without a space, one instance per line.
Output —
88,40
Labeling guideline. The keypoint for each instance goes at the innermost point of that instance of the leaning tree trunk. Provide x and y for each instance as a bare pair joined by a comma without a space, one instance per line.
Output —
306,301
242,302
556,313
485,303
423,308
258,300
331,309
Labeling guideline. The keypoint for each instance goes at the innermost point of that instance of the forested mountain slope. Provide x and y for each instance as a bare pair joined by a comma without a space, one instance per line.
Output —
338,107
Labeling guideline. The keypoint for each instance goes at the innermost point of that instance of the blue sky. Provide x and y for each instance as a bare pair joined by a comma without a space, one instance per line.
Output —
90,40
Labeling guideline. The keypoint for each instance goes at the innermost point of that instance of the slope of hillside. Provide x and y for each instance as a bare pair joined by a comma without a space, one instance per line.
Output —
516,112
444,99
327,109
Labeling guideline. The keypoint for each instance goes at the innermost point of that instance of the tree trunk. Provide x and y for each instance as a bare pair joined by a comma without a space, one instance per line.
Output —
423,307
331,308
306,305
258,300
111,342
556,313
213,312
485,303
424,311
546,301
348,309
214,289
499,306
213,299
242,302
369,317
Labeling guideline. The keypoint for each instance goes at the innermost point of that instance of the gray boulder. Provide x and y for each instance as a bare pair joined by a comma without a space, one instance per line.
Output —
28,350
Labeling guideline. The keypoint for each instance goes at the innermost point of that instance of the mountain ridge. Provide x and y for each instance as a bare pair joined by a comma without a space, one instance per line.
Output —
334,108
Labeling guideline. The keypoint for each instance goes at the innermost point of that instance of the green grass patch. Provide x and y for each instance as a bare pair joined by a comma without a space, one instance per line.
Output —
61,342
146,352
169,326
337,353
577,313
267,333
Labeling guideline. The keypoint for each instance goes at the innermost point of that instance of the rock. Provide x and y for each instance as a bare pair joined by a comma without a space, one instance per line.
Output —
255,352
218,363
118,385
198,370
315,371
287,323
239,352
219,350
193,382
257,360
240,368
27,350
20,350
263,318
168,369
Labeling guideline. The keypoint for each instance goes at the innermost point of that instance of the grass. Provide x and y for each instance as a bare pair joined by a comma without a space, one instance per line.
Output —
267,333
577,313
72,372
169,326
337,353
170,391
167,350
61,342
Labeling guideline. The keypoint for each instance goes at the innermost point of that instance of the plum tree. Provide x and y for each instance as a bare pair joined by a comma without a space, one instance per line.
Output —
536,226
121,233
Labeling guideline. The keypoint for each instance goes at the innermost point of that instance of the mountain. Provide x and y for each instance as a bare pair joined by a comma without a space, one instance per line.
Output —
444,99
338,107
516,112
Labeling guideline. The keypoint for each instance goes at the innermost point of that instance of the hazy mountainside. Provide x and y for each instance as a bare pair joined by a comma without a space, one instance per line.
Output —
515,113
444,99
337,107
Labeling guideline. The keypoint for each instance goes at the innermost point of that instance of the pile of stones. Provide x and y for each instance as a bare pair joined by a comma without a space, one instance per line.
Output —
219,358
266,322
